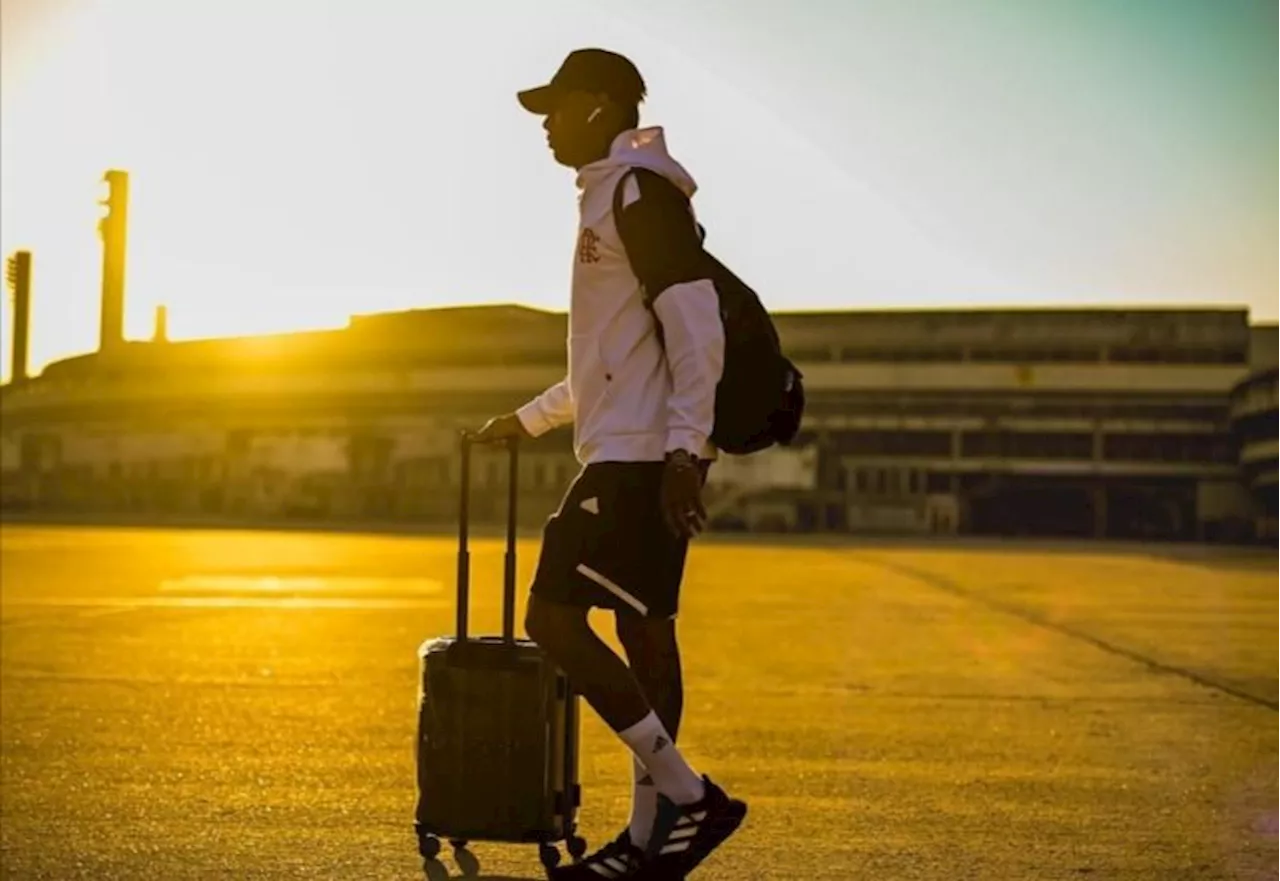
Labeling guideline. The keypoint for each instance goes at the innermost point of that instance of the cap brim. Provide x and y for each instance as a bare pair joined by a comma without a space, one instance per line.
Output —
541,100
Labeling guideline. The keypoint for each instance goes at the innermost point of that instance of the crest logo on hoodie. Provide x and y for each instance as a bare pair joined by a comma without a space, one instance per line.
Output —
587,246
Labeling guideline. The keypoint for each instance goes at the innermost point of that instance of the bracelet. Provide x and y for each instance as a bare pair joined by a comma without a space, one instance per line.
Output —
682,459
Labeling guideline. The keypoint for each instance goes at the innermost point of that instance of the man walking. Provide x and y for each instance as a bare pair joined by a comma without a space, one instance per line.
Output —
646,350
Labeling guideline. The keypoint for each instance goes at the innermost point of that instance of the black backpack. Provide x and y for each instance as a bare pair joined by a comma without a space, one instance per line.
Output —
760,397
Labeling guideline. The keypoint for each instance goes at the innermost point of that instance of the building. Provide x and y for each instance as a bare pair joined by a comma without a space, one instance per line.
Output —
1254,425
350,424
1091,422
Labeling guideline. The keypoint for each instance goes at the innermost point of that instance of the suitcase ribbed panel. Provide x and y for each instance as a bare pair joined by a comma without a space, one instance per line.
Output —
492,736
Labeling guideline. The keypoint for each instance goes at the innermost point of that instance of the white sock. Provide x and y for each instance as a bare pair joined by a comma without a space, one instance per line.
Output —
672,775
644,803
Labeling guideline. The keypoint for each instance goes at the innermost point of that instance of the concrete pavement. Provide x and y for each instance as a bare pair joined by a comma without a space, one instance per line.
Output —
219,704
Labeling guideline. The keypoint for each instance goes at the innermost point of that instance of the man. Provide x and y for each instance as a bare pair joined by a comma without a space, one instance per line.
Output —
646,350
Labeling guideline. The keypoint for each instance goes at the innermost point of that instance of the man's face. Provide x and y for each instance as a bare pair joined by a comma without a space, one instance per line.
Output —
574,136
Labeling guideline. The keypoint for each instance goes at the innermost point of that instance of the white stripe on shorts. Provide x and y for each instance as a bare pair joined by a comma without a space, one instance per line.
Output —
613,589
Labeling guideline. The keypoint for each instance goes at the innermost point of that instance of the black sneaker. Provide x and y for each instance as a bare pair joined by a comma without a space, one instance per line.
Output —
617,859
685,835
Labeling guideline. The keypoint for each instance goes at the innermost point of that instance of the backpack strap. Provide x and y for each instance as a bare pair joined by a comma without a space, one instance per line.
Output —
640,173
667,204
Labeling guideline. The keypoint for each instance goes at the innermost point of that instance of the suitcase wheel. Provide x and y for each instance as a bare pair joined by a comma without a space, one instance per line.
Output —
549,854
577,847
428,846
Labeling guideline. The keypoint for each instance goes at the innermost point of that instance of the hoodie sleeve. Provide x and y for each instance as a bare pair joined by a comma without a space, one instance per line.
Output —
664,246
549,410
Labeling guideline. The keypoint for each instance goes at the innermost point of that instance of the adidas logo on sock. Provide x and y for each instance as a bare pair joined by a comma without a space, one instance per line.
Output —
660,743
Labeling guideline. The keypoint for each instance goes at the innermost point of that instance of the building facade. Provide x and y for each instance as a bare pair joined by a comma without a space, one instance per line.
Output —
1091,423
1254,416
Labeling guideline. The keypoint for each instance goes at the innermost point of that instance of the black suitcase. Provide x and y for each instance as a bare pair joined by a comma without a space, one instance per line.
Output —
497,748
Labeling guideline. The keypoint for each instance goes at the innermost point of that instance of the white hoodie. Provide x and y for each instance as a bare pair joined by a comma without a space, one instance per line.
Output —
628,399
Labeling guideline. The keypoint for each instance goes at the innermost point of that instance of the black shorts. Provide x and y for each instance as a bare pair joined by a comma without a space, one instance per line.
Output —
608,545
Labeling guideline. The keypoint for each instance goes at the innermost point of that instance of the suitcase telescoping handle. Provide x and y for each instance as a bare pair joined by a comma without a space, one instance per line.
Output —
464,553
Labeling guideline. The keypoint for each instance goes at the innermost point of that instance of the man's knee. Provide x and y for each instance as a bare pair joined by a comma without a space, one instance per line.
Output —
553,625
647,638
540,621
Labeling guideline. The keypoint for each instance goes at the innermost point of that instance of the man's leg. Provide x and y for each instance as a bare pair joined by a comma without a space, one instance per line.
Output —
597,673
654,656
593,554
608,546
607,684
680,836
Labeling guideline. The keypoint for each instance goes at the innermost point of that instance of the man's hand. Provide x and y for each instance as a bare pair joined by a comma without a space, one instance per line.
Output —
501,428
682,506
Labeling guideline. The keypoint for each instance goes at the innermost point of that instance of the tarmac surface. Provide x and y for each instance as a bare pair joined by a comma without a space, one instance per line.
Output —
219,704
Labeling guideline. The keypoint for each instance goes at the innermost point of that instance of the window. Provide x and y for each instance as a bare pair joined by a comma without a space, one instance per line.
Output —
810,354
1148,447
1027,445
1179,354
1034,354
895,443
884,354
937,483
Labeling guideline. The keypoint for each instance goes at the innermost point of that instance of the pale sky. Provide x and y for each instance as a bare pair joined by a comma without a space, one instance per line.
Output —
297,161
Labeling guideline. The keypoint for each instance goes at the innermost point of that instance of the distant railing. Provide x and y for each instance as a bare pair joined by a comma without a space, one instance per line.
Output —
215,385
819,378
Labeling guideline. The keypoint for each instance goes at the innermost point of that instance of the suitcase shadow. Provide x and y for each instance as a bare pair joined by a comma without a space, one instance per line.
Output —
434,870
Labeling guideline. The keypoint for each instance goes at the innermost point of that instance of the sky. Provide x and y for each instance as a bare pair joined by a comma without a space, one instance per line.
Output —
294,162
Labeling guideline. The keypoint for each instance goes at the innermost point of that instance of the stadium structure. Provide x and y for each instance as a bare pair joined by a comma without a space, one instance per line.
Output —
1144,424
1253,416
1106,423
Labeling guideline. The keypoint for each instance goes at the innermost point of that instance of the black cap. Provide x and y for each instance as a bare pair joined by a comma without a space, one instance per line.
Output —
587,70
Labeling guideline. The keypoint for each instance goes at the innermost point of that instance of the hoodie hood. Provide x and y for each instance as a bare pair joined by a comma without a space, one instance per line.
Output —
639,148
